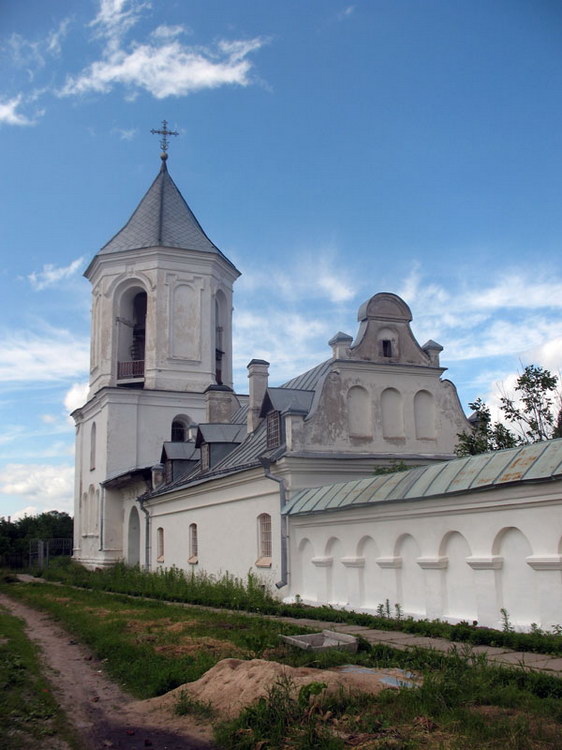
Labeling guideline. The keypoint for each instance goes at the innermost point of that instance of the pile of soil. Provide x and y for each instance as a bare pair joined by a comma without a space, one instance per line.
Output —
233,684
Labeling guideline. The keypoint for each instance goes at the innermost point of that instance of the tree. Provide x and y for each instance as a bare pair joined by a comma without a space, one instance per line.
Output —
534,414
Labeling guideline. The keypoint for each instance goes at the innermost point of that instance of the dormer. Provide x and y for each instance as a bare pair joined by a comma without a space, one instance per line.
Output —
216,441
178,459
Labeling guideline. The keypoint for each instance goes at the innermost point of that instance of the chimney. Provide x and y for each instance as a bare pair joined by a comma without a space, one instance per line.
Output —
220,403
258,373
157,476
340,344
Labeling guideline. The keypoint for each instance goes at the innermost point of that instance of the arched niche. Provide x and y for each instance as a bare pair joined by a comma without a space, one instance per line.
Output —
305,584
459,589
411,580
359,412
517,581
370,584
186,322
133,546
424,415
336,584
392,410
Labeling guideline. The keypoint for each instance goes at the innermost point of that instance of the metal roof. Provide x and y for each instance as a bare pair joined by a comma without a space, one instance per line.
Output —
162,219
287,400
184,451
540,462
215,432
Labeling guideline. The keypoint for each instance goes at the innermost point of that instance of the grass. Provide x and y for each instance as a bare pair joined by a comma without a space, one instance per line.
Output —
29,714
464,702
249,595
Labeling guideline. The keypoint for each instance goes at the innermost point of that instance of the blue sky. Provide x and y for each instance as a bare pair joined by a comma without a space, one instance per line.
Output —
332,150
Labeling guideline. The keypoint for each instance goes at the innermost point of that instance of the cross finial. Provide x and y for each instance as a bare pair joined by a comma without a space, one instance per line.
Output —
164,140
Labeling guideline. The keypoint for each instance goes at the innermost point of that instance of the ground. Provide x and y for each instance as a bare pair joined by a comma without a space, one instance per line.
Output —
103,714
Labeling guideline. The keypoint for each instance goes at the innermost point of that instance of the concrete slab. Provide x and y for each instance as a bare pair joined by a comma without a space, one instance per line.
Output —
385,635
341,627
523,658
489,650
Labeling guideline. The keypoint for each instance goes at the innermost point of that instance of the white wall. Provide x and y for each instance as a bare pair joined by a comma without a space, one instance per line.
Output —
455,558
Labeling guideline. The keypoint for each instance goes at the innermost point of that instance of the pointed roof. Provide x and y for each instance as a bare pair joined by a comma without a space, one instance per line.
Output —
162,219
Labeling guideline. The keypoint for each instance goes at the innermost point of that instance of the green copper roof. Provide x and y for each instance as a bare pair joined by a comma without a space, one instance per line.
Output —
540,462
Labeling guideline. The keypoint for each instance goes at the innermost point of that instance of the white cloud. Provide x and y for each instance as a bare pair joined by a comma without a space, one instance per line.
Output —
50,274
168,32
116,17
76,397
49,418
126,135
9,114
169,69
41,487
54,38
53,355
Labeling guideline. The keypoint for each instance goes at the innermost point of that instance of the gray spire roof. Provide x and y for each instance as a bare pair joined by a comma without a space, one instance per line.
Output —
162,219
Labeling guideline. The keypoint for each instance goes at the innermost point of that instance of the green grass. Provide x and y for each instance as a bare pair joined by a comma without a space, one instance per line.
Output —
464,702
249,595
29,715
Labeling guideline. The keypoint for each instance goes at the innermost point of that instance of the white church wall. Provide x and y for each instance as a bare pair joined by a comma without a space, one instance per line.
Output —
226,512
455,558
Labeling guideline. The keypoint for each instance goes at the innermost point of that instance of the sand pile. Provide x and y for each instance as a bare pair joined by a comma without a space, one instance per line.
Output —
233,684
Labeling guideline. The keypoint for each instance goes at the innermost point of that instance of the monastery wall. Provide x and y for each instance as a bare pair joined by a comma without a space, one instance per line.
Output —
456,558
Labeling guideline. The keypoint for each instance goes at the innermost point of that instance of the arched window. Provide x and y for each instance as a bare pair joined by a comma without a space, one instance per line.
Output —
193,544
159,544
180,425
264,541
220,352
132,332
93,447
178,432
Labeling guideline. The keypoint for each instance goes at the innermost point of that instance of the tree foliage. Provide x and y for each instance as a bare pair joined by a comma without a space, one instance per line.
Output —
533,415
16,535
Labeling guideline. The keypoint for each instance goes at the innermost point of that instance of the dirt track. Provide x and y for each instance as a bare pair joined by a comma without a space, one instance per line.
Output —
103,715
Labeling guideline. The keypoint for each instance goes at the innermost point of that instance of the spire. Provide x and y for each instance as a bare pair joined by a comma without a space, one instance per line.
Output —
162,219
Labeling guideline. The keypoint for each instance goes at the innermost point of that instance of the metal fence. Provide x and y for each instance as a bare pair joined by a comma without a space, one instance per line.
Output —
41,551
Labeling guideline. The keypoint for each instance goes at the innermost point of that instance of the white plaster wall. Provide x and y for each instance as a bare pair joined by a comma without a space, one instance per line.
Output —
456,558
226,517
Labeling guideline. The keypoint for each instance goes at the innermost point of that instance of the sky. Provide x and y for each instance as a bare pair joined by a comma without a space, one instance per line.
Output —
331,150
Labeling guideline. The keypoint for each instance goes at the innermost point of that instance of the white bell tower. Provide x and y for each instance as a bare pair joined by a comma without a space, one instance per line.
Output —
161,335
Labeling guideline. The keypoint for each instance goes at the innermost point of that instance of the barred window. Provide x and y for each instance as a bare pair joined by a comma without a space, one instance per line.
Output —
159,544
273,429
264,541
193,545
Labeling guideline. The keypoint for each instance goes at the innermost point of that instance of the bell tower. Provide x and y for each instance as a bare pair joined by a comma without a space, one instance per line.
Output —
161,334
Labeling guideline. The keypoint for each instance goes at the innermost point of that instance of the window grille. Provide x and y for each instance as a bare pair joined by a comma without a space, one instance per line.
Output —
273,430
193,545
178,432
264,534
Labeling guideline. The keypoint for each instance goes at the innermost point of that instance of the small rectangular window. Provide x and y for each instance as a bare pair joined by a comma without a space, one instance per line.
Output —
193,545
264,541
159,544
386,348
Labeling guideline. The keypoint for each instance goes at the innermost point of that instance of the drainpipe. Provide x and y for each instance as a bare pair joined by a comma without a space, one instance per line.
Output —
266,463
101,511
146,512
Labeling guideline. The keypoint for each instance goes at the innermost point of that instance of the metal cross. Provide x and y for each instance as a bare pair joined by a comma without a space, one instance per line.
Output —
164,133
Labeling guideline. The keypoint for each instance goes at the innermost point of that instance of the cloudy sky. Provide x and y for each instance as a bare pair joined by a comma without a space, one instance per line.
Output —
332,150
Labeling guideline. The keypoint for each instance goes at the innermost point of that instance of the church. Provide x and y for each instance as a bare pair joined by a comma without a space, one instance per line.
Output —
291,483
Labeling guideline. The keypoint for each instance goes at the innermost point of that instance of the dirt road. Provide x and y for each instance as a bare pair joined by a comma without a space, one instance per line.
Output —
103,715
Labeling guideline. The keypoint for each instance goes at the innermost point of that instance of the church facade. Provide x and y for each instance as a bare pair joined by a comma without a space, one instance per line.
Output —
173,468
